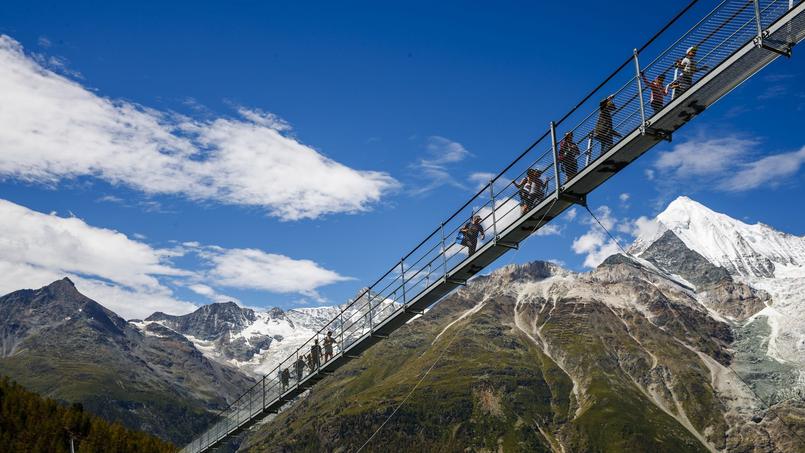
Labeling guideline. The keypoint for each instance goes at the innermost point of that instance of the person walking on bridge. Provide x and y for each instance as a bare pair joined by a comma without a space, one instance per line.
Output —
531,189
299,365
604,133
569,155
689,68
329,341
658,91
471,231
285,377
315,355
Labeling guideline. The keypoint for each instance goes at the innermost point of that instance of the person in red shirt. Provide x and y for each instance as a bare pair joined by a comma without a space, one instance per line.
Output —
658,91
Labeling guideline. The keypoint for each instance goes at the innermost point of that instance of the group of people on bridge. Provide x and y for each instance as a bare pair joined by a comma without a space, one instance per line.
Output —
311,361
532,187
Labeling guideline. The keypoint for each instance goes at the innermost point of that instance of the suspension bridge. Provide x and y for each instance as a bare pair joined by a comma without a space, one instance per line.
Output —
723,44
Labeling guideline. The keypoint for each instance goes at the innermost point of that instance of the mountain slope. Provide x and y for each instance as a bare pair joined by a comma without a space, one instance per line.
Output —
637,355
253,341
66,346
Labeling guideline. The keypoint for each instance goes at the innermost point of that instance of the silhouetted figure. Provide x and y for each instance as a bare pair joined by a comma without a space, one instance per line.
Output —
329,341
285,377
604,133
569,155
471,231
299,366
315,355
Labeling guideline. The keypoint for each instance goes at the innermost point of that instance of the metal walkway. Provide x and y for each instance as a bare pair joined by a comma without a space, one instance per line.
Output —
734,39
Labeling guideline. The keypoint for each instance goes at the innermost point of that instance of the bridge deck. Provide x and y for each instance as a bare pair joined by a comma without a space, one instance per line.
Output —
729,45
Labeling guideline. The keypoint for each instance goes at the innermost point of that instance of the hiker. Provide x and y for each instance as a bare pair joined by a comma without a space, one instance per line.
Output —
471,231
604,132
658,91
300,368
328,346
309,360
315,355
689,68
531,189
569,155
285,376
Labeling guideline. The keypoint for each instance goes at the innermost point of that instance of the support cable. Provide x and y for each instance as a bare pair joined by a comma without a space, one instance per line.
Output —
400,404
763,402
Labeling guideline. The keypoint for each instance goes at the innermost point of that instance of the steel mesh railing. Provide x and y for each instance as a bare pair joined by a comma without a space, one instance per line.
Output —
717,35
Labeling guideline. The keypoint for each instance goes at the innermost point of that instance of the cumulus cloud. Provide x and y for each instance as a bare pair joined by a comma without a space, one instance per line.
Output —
256,269
55,129
596,246
36,249
129,276
596,243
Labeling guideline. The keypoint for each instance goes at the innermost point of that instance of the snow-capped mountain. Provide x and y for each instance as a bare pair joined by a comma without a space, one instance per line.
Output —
744,250
257,341
757,256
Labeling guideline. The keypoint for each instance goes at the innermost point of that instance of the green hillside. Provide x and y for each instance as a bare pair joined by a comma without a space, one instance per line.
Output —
30,423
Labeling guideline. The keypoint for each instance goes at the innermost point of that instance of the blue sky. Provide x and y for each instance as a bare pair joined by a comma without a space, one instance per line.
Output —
313,144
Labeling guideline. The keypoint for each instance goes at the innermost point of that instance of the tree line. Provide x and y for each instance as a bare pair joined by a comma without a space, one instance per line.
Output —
31,423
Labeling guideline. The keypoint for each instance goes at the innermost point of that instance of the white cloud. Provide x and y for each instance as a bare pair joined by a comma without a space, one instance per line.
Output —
769,170
704,158
121,273
595,245
210,293
126,275
624,197
480,179
728,164
571,214
649,174
550,229
55,129
433,170
255,269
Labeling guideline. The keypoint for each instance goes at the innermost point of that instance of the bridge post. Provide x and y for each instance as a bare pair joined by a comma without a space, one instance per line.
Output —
444,252
341,318
557,181
402,275
494,220
758,23
370,313
640,94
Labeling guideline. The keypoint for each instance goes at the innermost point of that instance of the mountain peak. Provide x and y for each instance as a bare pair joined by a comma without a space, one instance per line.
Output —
64,286
746,250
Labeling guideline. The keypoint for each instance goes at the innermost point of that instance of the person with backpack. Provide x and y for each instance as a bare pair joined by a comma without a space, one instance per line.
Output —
604,133
470,231
569,155
531,189
329,341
